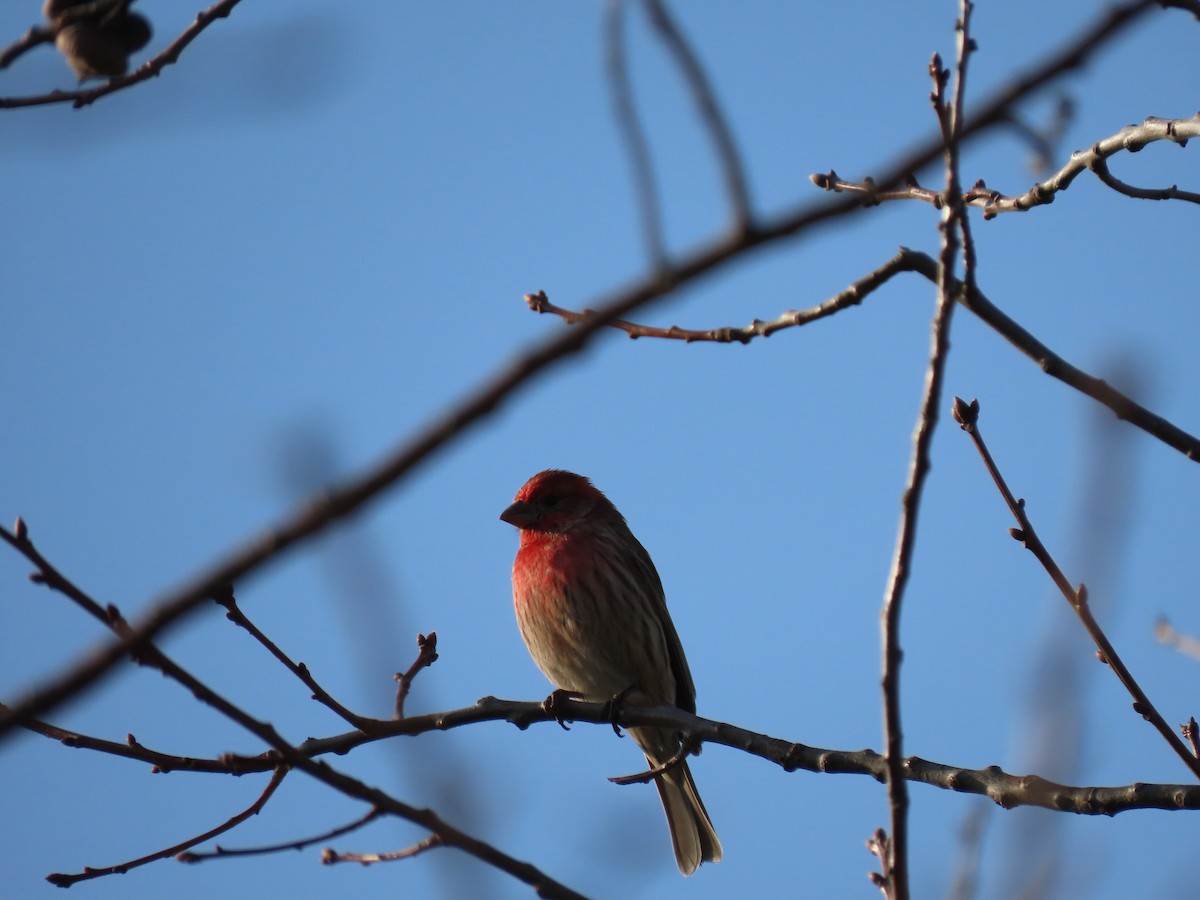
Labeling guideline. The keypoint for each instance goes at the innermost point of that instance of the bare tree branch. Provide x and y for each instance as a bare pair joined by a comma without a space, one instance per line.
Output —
329,857
634,135
880,846
1005,790
974,300
967,415
233,612
131,749
710,113
61,880
1191,731
893,879
226,853
1100,167
32,38
426,656
1131,139
793,318
448,835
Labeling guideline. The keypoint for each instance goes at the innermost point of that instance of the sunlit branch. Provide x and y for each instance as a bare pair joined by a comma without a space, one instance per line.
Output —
1130,139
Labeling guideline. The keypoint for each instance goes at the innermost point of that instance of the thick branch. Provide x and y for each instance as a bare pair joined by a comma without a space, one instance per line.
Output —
1004,789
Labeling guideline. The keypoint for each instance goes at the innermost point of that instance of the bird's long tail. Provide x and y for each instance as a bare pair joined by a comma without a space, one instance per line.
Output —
692,831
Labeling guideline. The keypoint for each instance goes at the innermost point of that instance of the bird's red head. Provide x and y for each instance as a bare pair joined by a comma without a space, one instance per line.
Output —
555,501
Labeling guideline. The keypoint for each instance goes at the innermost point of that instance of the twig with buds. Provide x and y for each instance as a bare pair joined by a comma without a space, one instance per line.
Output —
426,656
967,416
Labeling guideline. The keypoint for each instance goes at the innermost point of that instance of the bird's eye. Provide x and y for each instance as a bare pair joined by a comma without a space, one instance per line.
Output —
550,500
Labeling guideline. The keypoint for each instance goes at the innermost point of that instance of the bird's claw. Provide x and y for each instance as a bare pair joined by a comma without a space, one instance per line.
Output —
612,709
553,705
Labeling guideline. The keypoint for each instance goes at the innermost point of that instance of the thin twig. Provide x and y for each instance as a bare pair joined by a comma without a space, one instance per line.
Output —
880,846
634,135
447,834
329,857
894,879
1191,731
426,656
161,763
793,318
233,612
710,113
45,573
300,844
143,652
58,879
32,38
1130,139
502,386
974,300
967,415
1100,167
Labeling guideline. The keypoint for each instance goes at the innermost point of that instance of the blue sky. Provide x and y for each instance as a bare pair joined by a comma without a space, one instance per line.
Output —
263,270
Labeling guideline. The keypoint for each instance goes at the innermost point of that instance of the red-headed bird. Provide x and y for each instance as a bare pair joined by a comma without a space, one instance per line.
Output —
592,611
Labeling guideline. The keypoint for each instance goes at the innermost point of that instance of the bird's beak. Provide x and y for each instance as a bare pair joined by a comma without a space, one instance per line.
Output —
520,514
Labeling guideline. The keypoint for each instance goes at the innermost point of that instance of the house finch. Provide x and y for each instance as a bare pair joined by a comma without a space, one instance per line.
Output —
592,611
99,46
